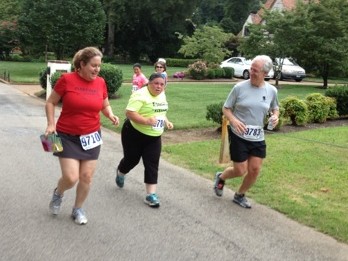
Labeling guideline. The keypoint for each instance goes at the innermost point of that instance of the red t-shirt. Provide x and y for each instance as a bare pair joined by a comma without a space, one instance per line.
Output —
82,102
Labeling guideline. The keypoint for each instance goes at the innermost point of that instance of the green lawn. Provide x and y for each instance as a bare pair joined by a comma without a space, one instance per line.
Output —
188,101
304,175
24,72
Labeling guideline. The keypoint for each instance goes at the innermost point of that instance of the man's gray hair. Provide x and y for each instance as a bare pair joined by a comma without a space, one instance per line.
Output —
266,60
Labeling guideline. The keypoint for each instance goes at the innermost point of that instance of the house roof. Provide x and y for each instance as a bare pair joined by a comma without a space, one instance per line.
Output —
272,4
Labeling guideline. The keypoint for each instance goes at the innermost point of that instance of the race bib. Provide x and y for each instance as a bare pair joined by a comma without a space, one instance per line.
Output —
252,132
134,88
159,125
90,141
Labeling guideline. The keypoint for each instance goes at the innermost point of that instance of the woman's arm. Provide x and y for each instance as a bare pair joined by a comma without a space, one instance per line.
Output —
51,103
107,111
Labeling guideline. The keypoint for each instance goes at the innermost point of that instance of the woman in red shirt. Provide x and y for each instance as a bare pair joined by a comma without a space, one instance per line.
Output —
83,94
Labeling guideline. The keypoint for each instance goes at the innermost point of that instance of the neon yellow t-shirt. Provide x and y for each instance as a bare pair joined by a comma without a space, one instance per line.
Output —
147,105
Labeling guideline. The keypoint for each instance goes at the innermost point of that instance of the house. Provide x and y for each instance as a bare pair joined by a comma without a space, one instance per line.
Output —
256,18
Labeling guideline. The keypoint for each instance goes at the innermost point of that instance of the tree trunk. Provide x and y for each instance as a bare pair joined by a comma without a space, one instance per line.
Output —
325,75
110,44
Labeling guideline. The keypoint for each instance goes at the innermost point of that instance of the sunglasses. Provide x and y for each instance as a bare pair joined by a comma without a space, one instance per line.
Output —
159,67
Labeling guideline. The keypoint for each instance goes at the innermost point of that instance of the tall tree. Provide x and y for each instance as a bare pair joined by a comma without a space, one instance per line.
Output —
149,28
115,14
9,10
207,43
61,26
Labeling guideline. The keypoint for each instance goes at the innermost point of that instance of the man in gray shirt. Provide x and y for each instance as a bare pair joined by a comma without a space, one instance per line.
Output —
246,109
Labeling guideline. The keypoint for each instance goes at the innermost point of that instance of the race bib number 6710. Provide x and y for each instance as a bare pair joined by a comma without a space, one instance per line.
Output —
90,141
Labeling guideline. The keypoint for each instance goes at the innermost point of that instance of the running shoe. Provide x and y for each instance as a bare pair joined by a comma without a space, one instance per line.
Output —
241,200
152,200
55,203
79,216
219,184
119,179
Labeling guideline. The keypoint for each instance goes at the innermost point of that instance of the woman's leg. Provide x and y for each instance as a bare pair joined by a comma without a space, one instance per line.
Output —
132,148
70,174
87,169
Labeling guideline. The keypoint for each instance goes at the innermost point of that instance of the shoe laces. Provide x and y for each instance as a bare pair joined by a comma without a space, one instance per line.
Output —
153,197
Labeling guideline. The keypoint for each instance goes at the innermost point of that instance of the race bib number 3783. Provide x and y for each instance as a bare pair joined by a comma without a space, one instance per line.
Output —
252,132
90,141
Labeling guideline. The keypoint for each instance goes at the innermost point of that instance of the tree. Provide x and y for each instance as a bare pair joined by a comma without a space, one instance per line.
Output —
61,26
149,29
115,14
10,9
8,38
207,43
229,14
314,33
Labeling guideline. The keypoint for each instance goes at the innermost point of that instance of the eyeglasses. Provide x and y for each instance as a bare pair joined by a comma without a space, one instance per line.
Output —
159,67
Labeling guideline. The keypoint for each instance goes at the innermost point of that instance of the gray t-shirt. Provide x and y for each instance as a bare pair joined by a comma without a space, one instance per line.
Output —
251,105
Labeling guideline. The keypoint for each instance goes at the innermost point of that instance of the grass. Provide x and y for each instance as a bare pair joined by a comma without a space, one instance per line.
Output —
22,72
25,72
188,101
304,175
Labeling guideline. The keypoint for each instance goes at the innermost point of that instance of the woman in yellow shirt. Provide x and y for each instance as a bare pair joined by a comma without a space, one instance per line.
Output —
141,135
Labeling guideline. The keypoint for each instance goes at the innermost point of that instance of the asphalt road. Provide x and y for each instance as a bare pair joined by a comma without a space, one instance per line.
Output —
191,224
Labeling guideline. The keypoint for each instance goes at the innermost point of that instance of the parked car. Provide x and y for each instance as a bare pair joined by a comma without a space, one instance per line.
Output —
290,70
241,67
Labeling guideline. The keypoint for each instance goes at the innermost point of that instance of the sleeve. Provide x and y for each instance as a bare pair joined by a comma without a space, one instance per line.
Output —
144,79
275,103
105,90
135,102
231,98
60,86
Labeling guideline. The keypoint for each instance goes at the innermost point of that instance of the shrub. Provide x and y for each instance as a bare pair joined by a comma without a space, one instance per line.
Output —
214,112
54,78
219,73
179,62
228,72
113,77
295,110
211,74
318,107
333,114
341,96
198,70
43,77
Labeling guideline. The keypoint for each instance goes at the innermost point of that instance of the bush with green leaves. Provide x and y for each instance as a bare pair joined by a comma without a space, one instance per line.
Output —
333,113
43,77
341,96
211,73
228,72
113,77
214,113
175,62
320,107
295,110
54,78
219,73
198,70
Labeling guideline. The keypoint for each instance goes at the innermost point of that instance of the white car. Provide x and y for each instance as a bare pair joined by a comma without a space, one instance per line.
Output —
241,67
290,69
